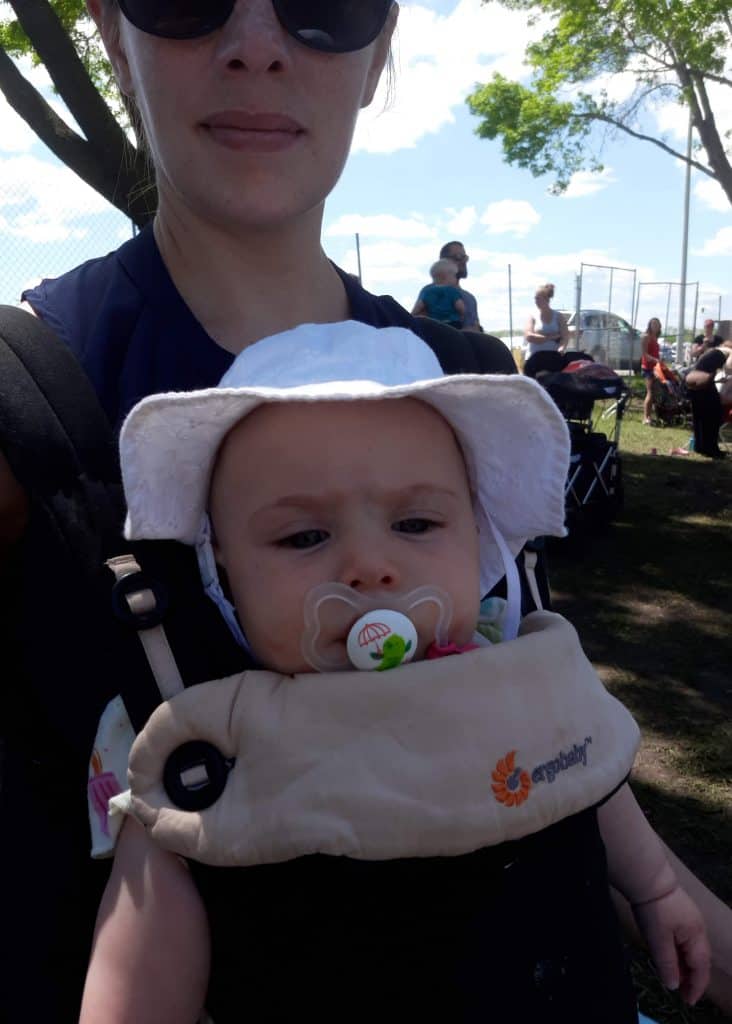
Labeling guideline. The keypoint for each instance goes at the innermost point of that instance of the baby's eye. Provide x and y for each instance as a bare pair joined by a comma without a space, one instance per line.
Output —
303,539
415,524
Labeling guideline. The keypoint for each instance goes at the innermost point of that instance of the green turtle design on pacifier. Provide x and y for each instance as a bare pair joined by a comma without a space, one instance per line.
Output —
381,639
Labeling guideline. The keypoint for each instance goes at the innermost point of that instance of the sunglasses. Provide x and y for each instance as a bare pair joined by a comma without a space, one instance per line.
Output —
333,26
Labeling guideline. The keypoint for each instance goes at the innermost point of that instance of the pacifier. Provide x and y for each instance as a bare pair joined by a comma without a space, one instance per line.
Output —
347,629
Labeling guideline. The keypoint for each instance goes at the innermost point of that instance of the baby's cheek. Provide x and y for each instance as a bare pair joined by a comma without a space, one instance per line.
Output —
281,645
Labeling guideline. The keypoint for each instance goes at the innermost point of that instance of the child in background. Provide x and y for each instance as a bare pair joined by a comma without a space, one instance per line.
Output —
442,300
420,842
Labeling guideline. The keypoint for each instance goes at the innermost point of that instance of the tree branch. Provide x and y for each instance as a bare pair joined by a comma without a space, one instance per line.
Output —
38,114
595,116
73,150
54,47
105,159
720,79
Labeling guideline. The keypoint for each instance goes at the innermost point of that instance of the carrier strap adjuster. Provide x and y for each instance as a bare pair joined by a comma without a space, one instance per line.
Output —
140,602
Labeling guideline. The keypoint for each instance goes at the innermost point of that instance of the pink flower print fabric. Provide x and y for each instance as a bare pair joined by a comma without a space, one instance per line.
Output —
108,776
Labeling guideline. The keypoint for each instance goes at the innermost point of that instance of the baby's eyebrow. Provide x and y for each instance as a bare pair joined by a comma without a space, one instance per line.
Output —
398,495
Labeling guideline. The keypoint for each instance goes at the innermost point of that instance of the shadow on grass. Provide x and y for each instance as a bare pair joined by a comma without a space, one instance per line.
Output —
651,599
651,594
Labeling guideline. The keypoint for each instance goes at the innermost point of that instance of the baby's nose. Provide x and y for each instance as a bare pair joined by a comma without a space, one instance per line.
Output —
367,568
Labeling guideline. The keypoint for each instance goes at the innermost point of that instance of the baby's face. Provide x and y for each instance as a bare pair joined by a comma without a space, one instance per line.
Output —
371,494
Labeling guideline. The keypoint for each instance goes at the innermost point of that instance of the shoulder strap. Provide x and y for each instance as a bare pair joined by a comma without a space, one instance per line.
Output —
457,351
52,428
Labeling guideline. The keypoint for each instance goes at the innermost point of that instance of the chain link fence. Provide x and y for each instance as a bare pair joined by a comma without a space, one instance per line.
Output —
50,221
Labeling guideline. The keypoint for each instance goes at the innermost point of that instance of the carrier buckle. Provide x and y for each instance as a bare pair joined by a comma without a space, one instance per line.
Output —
137,599
195,775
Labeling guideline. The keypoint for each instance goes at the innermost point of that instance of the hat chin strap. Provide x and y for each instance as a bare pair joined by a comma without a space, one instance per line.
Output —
512,614
212,584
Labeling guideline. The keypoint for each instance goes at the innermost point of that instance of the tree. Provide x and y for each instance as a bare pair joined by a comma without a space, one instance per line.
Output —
57,34
671,49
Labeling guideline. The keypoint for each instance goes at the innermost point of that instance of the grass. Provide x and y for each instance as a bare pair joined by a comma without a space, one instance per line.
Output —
650,597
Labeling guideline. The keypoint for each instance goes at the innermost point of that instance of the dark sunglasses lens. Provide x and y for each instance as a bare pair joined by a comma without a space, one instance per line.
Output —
177,19
336,26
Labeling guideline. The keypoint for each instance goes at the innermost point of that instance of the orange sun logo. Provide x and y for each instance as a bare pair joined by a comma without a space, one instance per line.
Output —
511,785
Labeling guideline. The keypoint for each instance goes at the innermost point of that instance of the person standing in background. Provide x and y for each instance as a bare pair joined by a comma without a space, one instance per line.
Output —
706,404
456,251
650,355
549,333
705,341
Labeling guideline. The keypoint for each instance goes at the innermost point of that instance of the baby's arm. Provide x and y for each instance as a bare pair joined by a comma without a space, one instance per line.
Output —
670,922
150,955
460,307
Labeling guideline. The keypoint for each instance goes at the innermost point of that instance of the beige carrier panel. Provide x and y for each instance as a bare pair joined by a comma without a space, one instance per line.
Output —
435,758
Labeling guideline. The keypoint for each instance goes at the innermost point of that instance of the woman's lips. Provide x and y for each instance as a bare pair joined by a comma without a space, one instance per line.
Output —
260,133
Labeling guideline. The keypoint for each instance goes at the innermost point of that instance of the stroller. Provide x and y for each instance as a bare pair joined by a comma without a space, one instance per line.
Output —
594,489
671,406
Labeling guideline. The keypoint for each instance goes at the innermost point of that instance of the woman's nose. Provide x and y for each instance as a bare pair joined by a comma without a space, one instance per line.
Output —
252,39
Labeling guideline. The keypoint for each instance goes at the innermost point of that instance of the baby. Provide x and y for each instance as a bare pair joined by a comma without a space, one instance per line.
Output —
442,300
427,834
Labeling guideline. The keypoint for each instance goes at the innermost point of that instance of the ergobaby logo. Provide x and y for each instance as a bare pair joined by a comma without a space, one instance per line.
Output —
512,784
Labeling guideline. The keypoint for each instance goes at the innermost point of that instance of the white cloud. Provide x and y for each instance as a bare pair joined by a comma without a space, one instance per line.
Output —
383,225
587,183
510,216
42,202
460,222
439,59
711,194
719,245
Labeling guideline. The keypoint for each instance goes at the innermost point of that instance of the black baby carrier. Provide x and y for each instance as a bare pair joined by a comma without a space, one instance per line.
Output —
66,654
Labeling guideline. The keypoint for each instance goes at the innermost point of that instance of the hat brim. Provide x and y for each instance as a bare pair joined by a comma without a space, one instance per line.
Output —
515,441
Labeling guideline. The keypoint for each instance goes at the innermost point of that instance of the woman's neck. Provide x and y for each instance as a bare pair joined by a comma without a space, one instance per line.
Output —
244,287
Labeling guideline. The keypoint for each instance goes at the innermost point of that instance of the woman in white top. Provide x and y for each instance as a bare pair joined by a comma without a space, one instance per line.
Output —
549,332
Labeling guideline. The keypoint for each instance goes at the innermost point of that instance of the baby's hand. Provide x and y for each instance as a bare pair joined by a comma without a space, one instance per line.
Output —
674,930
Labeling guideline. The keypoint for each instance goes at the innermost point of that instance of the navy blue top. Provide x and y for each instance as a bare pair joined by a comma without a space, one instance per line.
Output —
127,323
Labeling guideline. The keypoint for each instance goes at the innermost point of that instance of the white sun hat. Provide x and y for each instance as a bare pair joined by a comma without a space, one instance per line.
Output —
514,439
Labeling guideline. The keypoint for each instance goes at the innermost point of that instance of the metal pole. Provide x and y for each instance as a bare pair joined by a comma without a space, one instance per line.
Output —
610,296
696,309
358,257
577,304
510,308
669,286
684,245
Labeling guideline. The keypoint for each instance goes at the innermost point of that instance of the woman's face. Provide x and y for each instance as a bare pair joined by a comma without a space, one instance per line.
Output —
246,125
654,326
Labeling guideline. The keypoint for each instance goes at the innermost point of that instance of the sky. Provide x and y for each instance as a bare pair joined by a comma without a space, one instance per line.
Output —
419,176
